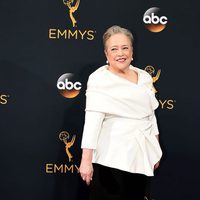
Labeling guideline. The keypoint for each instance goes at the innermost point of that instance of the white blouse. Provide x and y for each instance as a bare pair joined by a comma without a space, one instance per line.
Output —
120,124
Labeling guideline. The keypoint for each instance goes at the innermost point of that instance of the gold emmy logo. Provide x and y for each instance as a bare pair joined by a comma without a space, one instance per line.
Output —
64,136
150,69
72,8
73,33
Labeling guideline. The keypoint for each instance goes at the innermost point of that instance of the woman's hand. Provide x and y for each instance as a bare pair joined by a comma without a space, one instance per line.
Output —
86,167
156,165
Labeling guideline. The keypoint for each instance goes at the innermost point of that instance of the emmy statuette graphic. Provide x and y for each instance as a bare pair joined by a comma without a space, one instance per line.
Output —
64,136
72,9
150,69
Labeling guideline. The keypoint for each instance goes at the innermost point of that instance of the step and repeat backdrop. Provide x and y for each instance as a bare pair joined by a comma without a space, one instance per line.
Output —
47,51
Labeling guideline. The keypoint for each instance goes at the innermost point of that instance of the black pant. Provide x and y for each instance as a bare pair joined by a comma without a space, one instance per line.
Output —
113,184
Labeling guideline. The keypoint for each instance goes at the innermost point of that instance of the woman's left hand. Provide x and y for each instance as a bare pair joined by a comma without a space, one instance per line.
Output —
156,165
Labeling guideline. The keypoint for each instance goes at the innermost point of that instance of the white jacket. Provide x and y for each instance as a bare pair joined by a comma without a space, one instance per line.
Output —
120,124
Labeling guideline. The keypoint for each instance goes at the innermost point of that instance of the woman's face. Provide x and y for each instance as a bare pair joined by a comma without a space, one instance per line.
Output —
119,52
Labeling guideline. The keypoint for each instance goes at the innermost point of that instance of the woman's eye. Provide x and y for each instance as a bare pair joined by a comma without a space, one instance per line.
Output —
125,47
114,49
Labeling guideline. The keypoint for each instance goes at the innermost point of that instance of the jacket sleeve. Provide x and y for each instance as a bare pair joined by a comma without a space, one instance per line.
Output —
92,128
155,130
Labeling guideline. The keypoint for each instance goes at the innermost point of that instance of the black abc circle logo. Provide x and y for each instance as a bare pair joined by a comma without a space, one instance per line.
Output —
68,85
154,20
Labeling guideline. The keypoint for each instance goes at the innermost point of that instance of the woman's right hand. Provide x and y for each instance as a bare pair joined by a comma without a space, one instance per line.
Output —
86,167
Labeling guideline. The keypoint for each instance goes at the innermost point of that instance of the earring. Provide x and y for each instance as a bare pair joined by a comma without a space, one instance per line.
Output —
107,62
131,58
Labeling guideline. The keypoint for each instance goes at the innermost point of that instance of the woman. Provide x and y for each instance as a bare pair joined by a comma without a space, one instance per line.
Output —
120,138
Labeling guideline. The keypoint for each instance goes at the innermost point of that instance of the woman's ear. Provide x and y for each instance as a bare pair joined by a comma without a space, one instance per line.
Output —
132,53
105,51
106,54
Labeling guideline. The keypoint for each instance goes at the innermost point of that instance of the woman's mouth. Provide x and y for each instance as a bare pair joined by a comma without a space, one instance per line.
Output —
121,60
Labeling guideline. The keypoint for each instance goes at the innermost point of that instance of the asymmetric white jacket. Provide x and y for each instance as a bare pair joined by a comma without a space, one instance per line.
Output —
120,124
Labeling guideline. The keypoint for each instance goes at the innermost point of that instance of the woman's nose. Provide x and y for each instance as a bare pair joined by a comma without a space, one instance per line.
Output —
120,52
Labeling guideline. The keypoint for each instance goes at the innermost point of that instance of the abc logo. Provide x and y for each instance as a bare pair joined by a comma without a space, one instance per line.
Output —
153,21
68,85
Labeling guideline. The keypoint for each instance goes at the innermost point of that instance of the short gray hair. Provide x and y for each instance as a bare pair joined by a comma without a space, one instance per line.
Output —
114,30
